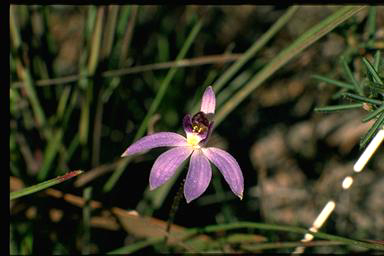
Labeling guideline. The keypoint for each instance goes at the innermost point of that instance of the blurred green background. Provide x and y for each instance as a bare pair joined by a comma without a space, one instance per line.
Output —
87,81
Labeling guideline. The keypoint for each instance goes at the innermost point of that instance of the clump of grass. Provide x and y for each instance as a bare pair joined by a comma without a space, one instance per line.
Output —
126,71
368,94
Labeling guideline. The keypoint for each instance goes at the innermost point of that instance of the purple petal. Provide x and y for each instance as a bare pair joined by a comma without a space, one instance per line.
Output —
160,139
198,177
208,103
166,164
187,123
228,167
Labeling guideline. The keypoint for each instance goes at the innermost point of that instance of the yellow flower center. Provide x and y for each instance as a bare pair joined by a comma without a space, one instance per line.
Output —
193,140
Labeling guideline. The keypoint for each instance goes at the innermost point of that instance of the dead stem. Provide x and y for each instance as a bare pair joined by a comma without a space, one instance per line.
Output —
210,59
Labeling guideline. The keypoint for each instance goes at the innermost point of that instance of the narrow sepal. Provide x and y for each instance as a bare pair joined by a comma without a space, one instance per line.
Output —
160,139
198,177
208,102
166,165
228,167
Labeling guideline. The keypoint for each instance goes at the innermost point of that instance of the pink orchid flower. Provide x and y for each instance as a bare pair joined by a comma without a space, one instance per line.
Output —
198,128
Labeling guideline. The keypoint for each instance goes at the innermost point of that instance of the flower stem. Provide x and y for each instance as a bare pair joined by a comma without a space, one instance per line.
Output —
174,208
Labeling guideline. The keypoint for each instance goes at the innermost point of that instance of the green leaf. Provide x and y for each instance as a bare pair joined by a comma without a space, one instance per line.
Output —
86,243
264,226
251,225
308,38
44,185
377,59
278,245
334,82
362,98
351,77
377,87
251,52
371,25
372,131
50,153
338,107
372,71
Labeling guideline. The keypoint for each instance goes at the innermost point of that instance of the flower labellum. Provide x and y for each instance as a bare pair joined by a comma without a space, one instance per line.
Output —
198,128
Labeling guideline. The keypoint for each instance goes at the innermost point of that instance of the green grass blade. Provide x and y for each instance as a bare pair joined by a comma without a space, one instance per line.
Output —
232,87
72,148
94,57
86,244
44,185
25,75
377,59
165,83
362,98
49,153
371,25
372,71
90,22
124,13
308,38
377,87
85,114
129,18
350,76
264,226
110,31
338,107
251,52
14,29
136,246
96,41
372,131
279,245
373,114
155,104
250,225
334,82
63,102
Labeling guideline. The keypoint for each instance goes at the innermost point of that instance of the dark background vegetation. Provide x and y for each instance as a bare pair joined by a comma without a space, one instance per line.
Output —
292,158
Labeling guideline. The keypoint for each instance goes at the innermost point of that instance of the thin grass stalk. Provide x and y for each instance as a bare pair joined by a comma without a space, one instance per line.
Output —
91,68
338,107
86,242
251,225
97,130
362,98
371,25
155,104
50,153
43,185
334,82
379,123
110,28
203,60
351,77
174,208
23,71
278,245
128,34
377,58
308,38
259,44
372,71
